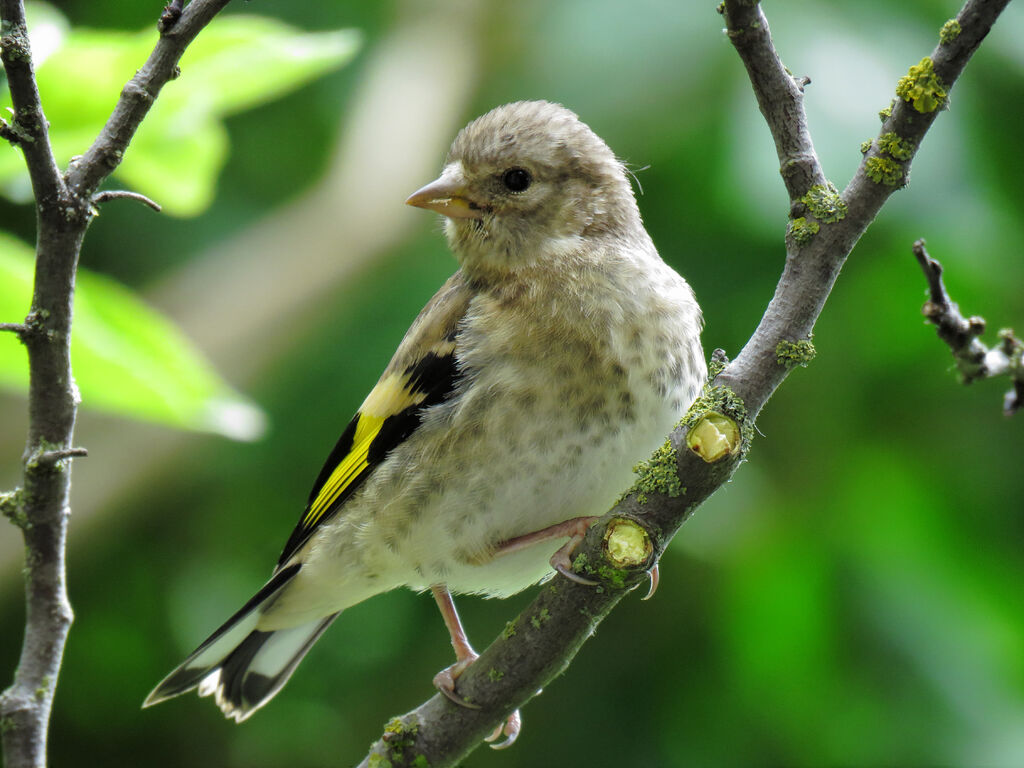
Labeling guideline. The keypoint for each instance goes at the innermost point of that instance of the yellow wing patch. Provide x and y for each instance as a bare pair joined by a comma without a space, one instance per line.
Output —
390,396
348,469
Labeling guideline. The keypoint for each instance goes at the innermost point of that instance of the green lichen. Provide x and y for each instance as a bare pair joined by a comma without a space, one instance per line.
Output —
658,474
495,674
581,563
865,146
890,143
884,170
509,631
824,202
717,364
790,354
950,31
378,761
538,620
922,87
803,231
12,506
885,114
6,724
398,737
398,728
420,761
614,577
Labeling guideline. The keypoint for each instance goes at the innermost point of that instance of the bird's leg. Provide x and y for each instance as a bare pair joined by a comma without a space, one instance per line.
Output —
575,529
444,680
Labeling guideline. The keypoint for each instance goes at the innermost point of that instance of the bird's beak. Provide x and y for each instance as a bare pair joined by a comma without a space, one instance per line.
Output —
447,195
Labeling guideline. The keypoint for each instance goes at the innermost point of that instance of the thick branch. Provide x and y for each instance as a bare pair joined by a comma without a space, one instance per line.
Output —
814,260
545,637
973,358
41,506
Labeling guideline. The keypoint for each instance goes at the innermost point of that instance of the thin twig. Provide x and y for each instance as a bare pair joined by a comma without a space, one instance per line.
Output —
52,457
88,172
122,194
29,124
973,359
10,134
541,642
779,96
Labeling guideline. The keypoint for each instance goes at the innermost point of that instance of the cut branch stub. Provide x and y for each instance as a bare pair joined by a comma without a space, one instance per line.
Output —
627,544
714,437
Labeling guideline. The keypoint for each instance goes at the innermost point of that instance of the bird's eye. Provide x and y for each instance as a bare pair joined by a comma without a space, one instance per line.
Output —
516,179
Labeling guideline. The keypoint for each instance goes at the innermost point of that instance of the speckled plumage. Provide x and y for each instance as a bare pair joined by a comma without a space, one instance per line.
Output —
565,350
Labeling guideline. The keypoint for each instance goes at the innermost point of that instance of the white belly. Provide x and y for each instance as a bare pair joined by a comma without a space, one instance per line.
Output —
508,471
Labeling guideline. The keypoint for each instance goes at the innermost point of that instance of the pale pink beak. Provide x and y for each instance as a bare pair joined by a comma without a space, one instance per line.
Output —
447,196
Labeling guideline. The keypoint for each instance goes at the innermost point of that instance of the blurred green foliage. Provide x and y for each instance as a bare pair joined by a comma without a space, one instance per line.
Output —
128,359
851,598
179,150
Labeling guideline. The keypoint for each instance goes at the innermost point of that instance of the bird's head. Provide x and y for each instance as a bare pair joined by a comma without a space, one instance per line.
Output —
527,182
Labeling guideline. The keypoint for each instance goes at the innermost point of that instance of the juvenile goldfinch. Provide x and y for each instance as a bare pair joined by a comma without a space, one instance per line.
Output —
560,353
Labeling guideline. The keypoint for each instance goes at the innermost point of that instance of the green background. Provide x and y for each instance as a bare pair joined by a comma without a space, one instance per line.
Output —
853,597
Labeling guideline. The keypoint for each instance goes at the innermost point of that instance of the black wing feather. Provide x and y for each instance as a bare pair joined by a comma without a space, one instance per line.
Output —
428,381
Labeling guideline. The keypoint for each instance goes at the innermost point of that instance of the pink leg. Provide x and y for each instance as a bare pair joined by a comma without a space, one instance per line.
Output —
444,680
575,529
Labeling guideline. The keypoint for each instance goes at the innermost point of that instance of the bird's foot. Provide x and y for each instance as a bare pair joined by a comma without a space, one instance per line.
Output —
444,681
561,561
509,729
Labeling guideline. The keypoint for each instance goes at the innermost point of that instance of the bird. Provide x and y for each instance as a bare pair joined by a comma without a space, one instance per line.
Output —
558,355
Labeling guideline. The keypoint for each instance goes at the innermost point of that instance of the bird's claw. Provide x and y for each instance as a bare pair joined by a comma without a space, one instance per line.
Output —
561,563
653,574
509,729
444,681
561,560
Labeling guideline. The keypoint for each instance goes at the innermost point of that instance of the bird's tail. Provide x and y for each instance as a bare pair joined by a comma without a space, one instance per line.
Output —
244,667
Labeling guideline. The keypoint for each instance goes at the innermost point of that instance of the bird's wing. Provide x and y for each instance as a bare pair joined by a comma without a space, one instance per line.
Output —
422,373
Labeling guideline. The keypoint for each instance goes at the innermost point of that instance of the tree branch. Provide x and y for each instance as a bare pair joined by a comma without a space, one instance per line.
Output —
973,359
41,506
707,447
88,172
28,127
780,96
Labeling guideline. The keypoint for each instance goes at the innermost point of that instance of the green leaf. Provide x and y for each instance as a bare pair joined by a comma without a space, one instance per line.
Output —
234,64
127,358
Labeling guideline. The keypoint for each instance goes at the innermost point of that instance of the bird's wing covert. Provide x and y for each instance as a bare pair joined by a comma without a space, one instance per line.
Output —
423,372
